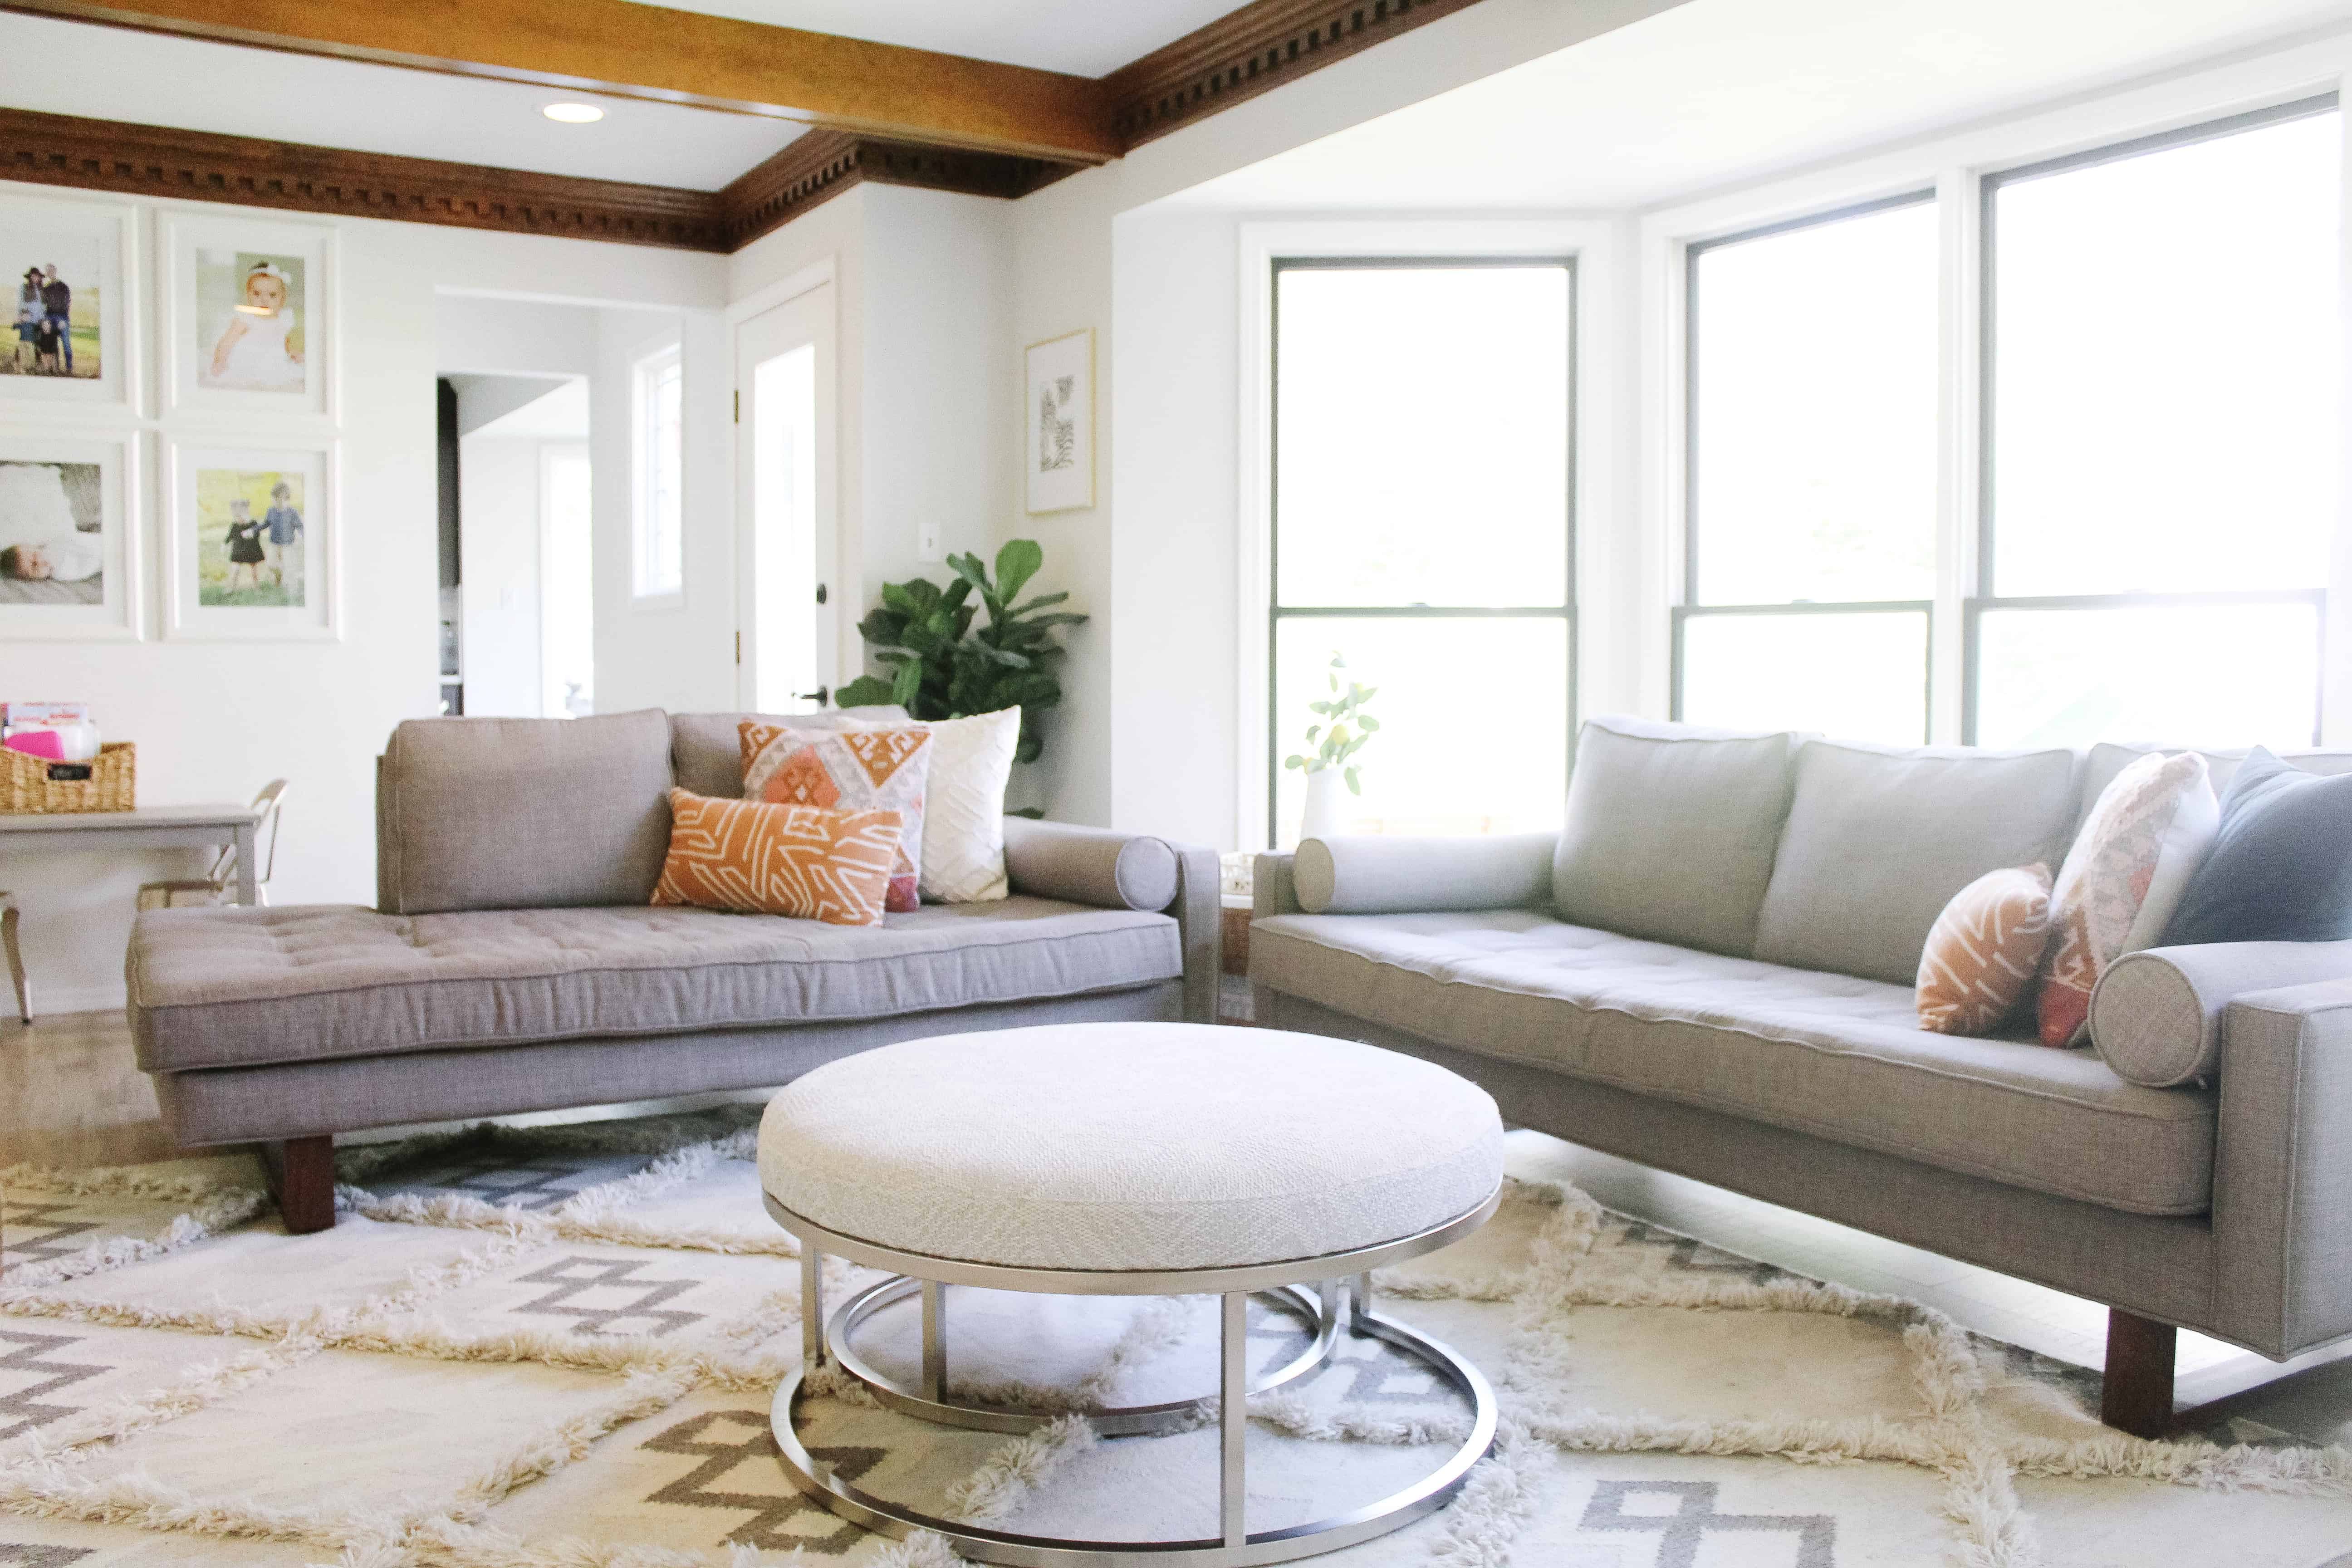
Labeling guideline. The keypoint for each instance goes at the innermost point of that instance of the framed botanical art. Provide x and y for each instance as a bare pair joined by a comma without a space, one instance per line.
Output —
73,326
69,556
251,550
1060,414
251,317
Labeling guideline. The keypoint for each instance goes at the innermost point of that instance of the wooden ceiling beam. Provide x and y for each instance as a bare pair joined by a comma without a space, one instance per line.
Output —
624,49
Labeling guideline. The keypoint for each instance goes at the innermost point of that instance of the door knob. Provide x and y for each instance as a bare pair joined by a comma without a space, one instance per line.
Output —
820,696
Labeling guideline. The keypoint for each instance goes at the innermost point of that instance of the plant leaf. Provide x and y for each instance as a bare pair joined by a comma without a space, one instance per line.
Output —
1355,786
1015,563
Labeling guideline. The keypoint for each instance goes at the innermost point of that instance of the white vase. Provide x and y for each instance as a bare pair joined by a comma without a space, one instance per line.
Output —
1321,818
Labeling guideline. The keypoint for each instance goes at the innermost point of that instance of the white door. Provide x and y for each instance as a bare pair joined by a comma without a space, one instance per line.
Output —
789,615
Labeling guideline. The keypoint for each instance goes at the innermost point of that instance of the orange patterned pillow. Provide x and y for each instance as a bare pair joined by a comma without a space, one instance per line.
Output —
1983,951
757,858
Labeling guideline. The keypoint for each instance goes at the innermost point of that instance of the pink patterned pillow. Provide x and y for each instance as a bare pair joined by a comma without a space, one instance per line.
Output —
2142,842
855,770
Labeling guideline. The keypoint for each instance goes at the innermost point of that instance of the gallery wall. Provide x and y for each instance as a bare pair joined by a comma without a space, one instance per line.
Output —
214,720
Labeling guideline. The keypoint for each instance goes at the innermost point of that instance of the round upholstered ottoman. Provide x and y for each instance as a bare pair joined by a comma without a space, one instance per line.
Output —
1128,1160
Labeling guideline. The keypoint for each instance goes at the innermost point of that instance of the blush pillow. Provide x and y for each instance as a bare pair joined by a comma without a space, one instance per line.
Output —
2145,840
1983,951
2281,868
755,858
881,769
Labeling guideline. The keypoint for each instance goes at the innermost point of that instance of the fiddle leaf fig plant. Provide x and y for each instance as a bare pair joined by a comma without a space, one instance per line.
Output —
1341,731
945,662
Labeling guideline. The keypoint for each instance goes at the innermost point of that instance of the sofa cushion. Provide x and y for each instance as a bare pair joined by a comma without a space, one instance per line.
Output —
1670,831
706,750
1879,839
509,814
1839,1057
235,987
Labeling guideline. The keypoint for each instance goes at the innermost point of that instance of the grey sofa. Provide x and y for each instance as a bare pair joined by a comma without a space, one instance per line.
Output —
1710,969
512,962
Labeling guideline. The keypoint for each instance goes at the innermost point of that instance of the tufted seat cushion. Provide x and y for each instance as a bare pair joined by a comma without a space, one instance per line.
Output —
1836,1057
241,987
1123,1146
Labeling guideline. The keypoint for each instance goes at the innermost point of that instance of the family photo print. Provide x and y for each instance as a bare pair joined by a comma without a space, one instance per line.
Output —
62,264
251,555
68,549
250,325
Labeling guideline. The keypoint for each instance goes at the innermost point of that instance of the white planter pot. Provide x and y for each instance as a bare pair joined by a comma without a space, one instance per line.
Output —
1321,818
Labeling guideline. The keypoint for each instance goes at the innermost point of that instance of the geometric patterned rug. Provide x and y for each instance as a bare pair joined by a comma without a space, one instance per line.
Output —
554,1348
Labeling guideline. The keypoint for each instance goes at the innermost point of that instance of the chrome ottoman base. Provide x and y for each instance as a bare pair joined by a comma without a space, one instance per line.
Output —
1332,1293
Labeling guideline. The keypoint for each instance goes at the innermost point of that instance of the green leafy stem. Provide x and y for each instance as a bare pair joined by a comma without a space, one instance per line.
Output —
1341,731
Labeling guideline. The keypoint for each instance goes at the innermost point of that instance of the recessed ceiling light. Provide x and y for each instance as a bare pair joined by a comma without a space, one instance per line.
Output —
574,114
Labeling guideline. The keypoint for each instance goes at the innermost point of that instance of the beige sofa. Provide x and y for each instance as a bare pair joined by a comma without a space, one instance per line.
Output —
513,963
1710,970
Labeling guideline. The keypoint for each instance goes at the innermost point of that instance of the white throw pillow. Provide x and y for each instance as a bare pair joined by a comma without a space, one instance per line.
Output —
963,816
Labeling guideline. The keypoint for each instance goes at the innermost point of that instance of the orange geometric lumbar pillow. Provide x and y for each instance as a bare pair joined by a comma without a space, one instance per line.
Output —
757,858
1983,951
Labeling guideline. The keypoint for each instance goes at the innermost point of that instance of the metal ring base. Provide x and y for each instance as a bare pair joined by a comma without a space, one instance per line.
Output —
1125,1421
1431,1492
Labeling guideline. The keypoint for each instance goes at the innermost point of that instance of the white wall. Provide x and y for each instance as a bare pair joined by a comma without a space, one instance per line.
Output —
1148,735
210,726
922,284
498,489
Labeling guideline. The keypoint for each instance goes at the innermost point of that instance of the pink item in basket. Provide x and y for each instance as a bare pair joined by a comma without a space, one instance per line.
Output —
38,744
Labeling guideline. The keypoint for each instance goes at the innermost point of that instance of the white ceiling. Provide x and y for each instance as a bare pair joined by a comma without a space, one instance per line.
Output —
150,79
1713,91
1085,38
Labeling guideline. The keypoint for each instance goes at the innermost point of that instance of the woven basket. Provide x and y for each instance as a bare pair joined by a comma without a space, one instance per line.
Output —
108,782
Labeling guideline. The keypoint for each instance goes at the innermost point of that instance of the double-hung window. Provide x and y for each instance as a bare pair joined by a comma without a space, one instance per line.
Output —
1420,510
1808,560
2160,465
657,511
2107,513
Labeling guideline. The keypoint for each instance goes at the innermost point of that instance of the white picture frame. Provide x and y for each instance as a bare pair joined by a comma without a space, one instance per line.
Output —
1059,413
226,352
208,594
96,245
79,476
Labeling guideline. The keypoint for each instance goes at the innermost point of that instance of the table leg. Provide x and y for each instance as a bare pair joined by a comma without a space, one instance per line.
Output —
1232,1417
248,891
1363,1297
812,1306
935,1340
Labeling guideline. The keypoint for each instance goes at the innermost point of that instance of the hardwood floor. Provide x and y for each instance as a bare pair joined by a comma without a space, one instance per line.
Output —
72,1095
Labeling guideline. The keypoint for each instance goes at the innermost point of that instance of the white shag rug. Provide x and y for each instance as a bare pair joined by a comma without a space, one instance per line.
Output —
554,1348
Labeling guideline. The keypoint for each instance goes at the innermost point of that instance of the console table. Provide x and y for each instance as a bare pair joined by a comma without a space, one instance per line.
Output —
147,827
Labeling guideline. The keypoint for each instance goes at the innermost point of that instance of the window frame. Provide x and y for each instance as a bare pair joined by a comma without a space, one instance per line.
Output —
1286,260
1687,604
1978,595
646,373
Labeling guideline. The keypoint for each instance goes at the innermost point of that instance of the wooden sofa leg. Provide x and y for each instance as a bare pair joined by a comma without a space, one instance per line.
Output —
302,1175
2137,1396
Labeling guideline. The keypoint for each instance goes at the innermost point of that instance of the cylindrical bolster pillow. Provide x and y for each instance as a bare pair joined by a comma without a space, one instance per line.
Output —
2155,1017
1090,865
1374,875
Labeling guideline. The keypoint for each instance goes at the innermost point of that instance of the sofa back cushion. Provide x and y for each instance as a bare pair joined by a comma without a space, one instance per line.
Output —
2109,758
1880,837
706,750
510,814
1670,831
